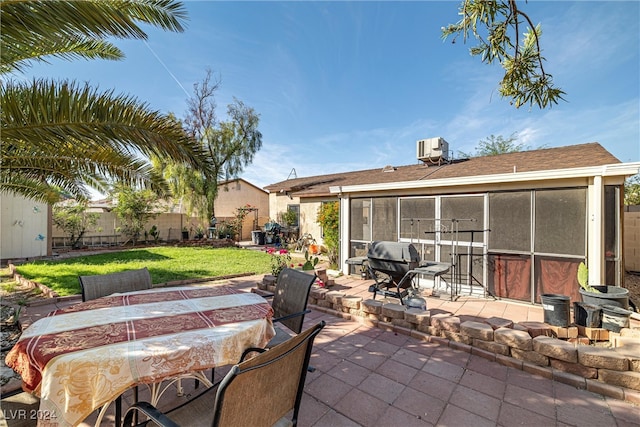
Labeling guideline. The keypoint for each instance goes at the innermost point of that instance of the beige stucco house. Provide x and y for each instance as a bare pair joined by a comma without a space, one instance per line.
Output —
513,225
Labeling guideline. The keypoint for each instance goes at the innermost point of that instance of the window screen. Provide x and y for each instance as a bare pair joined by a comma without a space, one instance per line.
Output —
463,209
416,218
510,221
385,221
561,221
360,219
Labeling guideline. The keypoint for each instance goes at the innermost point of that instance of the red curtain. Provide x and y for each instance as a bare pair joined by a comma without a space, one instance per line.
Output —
557,276
510,277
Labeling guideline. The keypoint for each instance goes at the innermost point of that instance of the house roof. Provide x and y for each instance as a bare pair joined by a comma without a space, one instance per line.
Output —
573,156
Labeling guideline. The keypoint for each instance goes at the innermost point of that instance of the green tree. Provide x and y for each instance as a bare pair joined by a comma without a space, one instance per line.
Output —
496,25
632,190
73,219
329,219
135,208
62,135
494,145
228,146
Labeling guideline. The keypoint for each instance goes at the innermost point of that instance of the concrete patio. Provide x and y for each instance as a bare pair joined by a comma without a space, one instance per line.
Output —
367,376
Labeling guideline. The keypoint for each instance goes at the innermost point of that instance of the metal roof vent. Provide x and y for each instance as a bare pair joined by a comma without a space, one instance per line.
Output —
388,168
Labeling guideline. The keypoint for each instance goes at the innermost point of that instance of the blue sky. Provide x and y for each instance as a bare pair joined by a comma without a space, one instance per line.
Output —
344,86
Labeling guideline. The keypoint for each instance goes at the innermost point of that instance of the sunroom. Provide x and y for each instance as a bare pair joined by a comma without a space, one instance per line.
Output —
514,235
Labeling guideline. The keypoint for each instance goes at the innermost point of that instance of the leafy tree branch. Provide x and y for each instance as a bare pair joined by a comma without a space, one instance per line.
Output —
496,26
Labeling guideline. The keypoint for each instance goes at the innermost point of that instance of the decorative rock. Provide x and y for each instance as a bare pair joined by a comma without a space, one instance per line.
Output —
621,378
536,329
393,311
477,330
431,330
513,338
491,346
417,316
324,303
450,323
334,297
402,324
318,293
579,341
561,332
574,368
372,306
457,337
499,322
435,319
630,333
595,334
269,280
555,348
352,302
599,357
530,356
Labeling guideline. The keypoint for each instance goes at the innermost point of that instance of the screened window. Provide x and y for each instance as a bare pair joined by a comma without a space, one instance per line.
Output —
510,221
385,219
360,219
462,209
560,226
416,218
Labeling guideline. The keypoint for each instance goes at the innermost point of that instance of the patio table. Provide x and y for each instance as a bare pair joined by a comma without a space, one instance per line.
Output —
81,358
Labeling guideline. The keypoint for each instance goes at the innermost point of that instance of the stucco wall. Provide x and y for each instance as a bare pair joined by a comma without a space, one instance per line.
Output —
24,227
632,241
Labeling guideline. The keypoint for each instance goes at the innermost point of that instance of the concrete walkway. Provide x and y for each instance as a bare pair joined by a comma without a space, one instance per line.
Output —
369,377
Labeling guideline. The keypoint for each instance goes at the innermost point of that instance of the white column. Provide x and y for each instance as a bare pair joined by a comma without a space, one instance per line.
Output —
345,215
595,235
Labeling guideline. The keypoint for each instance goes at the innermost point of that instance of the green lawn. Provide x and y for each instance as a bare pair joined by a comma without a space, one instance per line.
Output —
164,263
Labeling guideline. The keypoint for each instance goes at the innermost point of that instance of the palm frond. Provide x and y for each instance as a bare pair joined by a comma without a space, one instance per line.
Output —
32,29
62,135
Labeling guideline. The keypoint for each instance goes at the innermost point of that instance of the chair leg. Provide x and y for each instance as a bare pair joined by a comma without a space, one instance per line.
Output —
119,411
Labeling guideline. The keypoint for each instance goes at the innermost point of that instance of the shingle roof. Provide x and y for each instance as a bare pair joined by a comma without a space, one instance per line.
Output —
573,156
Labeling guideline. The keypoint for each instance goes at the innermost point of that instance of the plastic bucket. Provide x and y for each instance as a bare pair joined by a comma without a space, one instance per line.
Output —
556,309
587,314
615,318
609,295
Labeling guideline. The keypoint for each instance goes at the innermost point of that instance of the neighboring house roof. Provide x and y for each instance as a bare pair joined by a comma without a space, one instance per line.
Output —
230,181
573,156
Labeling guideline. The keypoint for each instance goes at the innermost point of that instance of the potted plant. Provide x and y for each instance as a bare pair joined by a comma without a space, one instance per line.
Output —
310,262
601,295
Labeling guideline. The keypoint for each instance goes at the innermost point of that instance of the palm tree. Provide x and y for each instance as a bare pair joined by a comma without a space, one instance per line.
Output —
64,136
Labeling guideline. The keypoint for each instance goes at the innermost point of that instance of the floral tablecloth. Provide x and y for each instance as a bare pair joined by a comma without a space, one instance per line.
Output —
82,357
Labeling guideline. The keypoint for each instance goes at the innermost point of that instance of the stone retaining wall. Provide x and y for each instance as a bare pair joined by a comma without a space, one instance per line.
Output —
561,354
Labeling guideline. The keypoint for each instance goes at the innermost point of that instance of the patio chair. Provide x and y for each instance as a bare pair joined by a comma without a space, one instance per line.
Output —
290,303
257,392
101,285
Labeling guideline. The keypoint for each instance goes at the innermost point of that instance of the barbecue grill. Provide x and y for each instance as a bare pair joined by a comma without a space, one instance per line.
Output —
394,265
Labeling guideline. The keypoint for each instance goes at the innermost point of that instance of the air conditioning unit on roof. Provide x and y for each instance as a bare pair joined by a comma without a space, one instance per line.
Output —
432,149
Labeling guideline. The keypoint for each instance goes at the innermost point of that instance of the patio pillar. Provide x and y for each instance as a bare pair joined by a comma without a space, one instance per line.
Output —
345,215
595,232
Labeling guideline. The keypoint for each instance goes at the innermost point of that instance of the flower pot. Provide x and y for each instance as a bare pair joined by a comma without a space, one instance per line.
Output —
587,314
611,295
556,309
614,318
